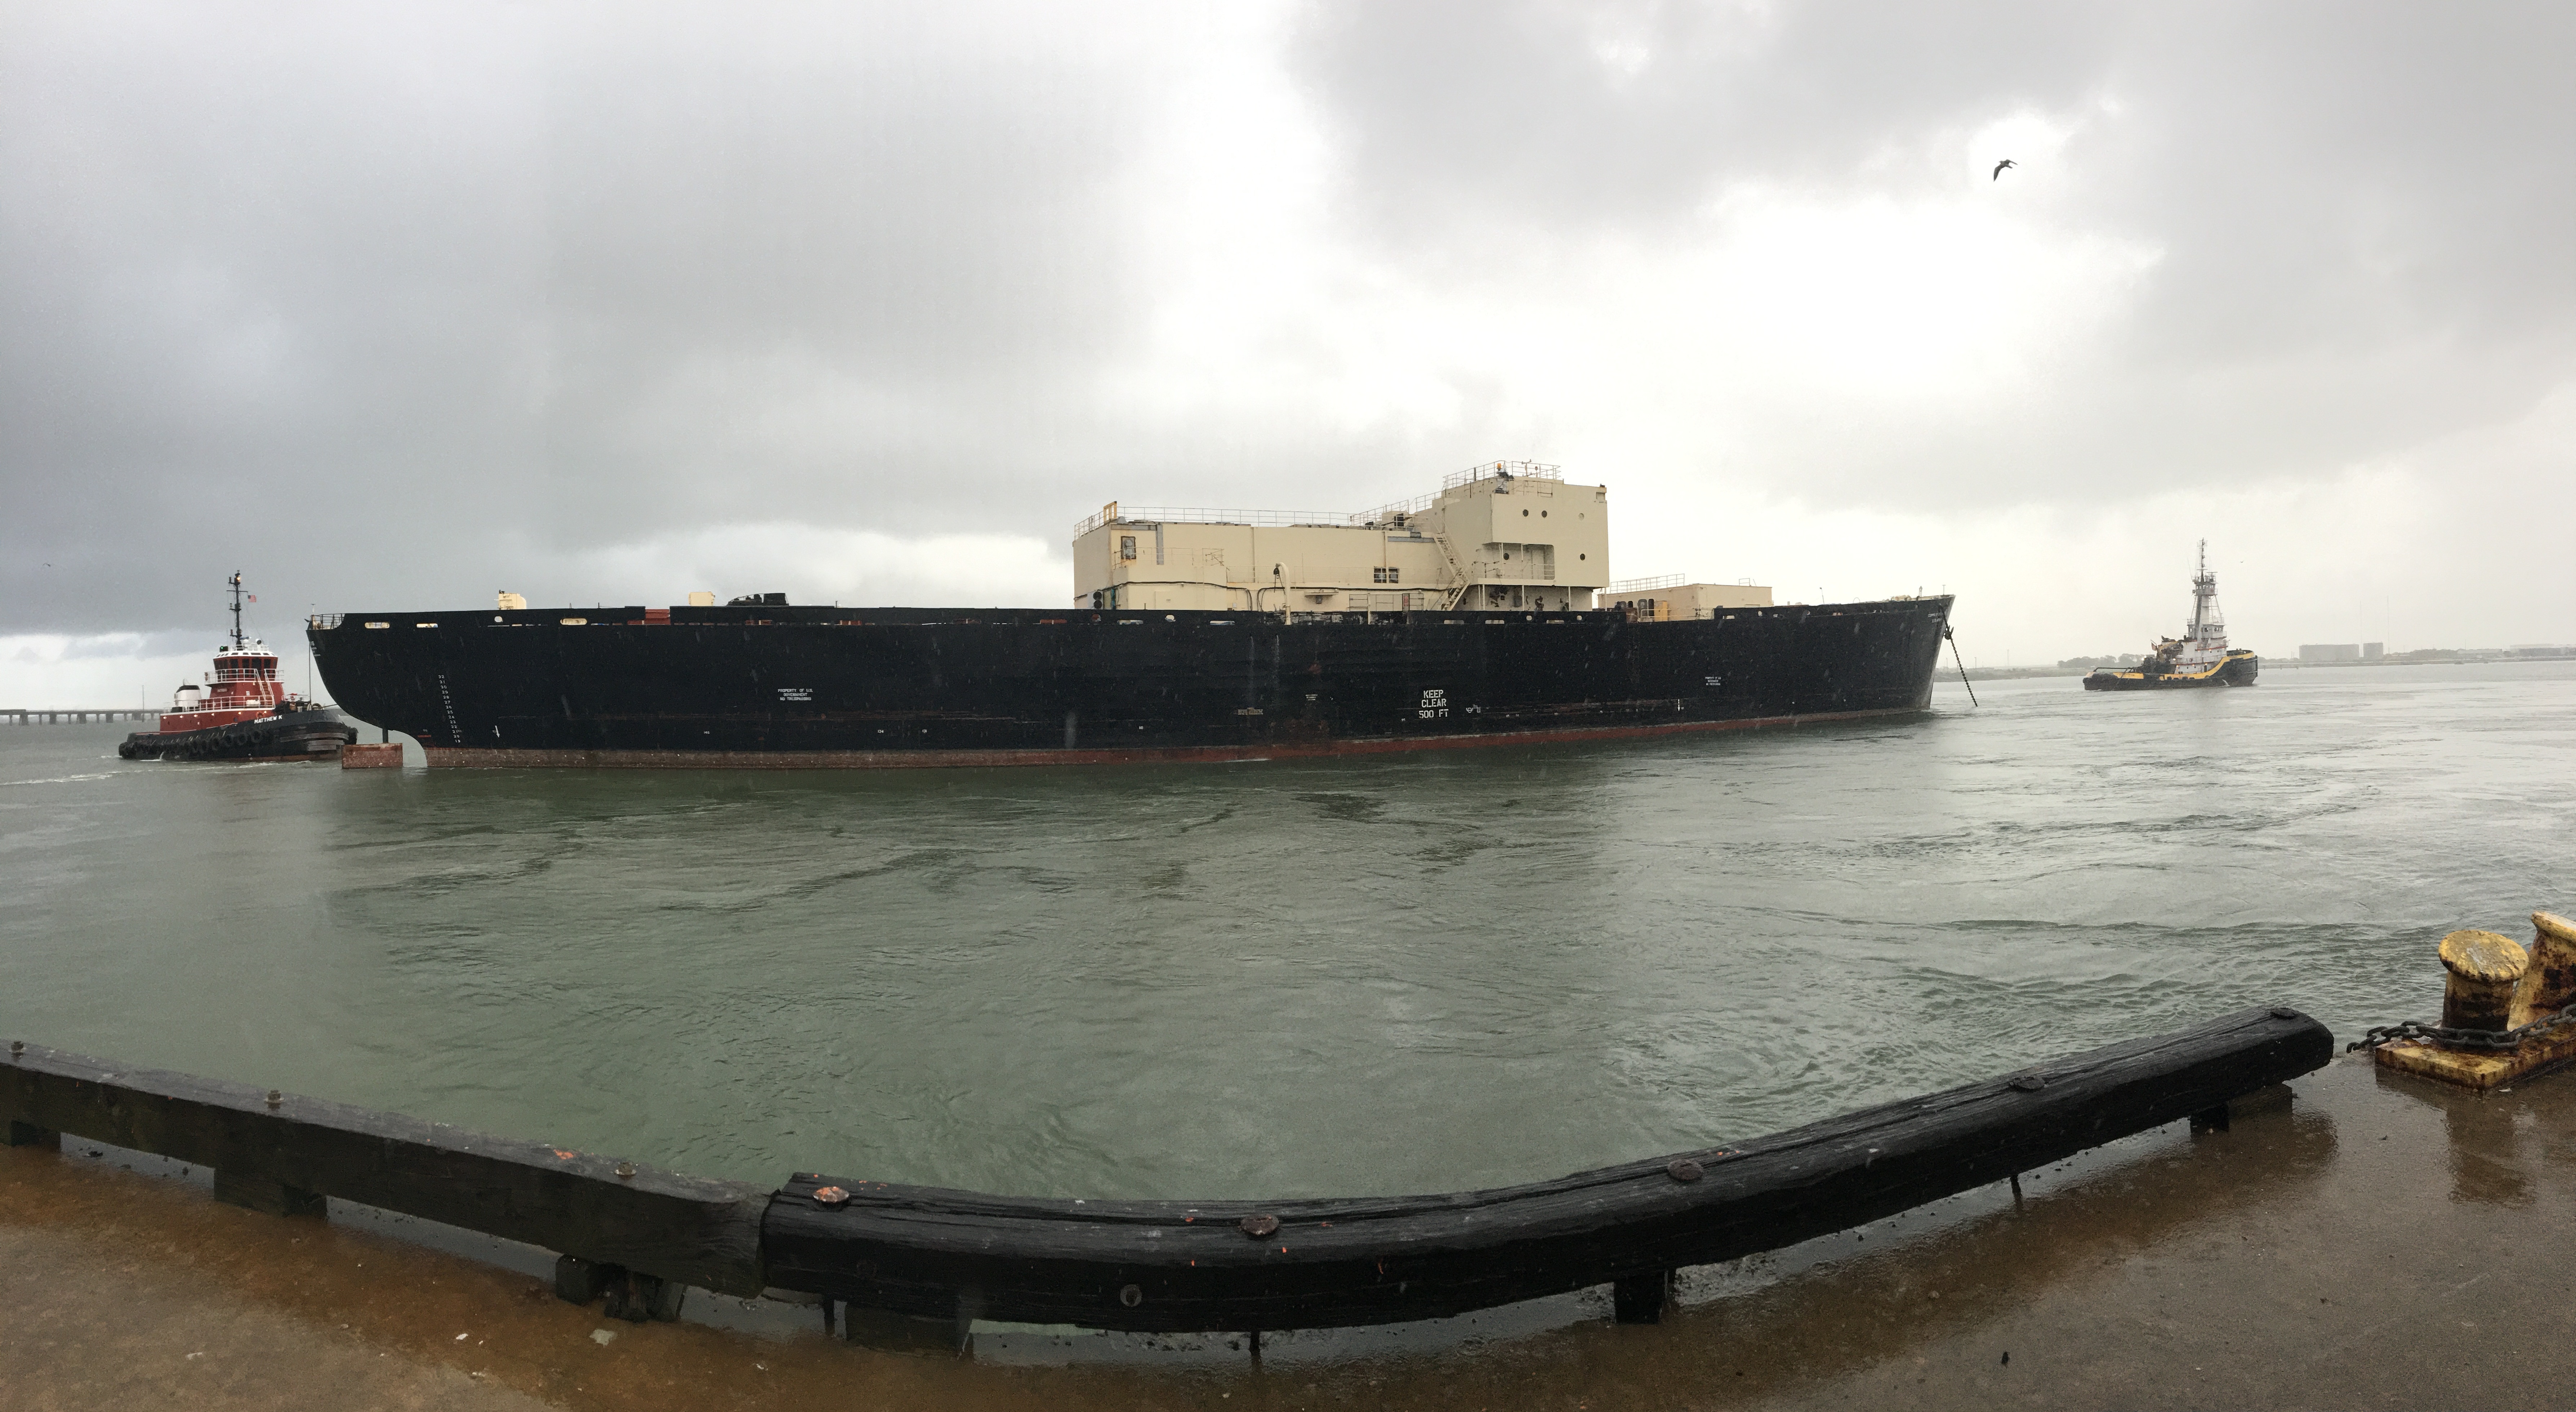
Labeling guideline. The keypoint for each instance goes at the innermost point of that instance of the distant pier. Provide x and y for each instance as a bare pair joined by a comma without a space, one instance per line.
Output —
17,715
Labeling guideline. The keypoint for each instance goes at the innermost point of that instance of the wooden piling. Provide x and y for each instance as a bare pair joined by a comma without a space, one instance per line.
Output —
29,1135
1640,1299
579,1281
2483,970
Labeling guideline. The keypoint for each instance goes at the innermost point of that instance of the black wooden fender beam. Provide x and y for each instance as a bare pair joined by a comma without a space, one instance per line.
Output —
1215,1265
1244,1265
686,1229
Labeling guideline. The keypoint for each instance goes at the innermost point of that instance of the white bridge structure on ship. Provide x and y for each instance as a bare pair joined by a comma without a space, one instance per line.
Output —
1502,535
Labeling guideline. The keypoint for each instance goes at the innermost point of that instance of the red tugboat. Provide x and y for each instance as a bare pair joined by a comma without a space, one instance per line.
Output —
242,713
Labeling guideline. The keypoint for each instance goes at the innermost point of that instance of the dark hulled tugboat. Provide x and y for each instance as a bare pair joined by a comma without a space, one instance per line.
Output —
241,713
2200,657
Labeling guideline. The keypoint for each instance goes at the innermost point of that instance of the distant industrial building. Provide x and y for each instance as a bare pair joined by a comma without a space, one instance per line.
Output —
2331,651
2373,651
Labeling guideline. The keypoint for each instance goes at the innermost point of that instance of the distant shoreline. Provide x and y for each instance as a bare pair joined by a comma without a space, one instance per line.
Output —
2436,657
2430,657
2017,673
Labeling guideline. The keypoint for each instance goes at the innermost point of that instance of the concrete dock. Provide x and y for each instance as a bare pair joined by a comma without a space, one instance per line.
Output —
2377,1241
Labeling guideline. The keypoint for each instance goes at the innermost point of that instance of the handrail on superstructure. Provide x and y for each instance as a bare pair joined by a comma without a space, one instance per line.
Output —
1186,515
1395,510
1503,470
1282,519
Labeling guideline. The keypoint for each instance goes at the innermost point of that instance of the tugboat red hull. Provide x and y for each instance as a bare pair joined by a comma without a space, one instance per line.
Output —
289,735
243,713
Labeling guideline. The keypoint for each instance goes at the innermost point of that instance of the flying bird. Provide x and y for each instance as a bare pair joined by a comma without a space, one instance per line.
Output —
1999,168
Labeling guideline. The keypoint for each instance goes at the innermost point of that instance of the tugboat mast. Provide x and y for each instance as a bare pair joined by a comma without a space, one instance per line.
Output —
2200,657
2204,587
237,600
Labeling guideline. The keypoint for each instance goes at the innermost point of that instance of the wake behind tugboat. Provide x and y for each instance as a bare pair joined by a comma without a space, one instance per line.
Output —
242,713
2200,657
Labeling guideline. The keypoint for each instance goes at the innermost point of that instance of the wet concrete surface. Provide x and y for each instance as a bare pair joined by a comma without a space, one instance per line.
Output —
2377,1242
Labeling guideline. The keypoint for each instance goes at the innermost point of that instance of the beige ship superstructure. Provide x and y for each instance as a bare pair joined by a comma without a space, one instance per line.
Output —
1506,534
1671,599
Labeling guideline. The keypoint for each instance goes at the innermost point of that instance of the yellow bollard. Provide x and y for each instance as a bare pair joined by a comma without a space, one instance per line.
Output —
2493,985
2550,984
2484,969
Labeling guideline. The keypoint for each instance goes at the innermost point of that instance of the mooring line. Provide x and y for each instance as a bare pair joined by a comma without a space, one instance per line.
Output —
1951,636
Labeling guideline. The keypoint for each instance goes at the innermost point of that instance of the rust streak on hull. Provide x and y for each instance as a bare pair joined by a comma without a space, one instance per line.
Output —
489,759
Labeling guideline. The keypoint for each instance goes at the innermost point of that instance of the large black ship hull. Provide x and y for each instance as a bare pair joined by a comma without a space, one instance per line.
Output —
292,735
809,687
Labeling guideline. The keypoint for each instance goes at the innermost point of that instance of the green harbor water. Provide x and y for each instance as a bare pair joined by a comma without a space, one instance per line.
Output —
1318,977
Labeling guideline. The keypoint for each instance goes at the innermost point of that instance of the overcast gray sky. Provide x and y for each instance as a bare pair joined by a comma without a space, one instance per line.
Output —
393,306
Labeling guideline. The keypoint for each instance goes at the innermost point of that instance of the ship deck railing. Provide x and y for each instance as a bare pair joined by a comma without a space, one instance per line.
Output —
1481,572
1192,515
1332,519
1503,470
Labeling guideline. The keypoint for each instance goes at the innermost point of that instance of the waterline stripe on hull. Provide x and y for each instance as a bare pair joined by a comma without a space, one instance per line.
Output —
487,759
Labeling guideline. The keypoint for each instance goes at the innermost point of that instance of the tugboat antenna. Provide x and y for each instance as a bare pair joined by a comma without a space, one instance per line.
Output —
2201,592
237,632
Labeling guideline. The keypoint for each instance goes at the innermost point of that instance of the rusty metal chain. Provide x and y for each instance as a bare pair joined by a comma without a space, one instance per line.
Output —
2451,1038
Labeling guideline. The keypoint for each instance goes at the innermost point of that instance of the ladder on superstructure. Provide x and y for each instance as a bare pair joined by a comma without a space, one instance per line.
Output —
1457,590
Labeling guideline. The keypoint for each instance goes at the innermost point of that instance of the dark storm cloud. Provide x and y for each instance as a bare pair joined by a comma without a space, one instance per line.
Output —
347,295
921,240
379,302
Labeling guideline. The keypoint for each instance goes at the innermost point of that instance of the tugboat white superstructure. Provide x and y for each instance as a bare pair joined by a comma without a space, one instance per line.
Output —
241,713
2200,657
